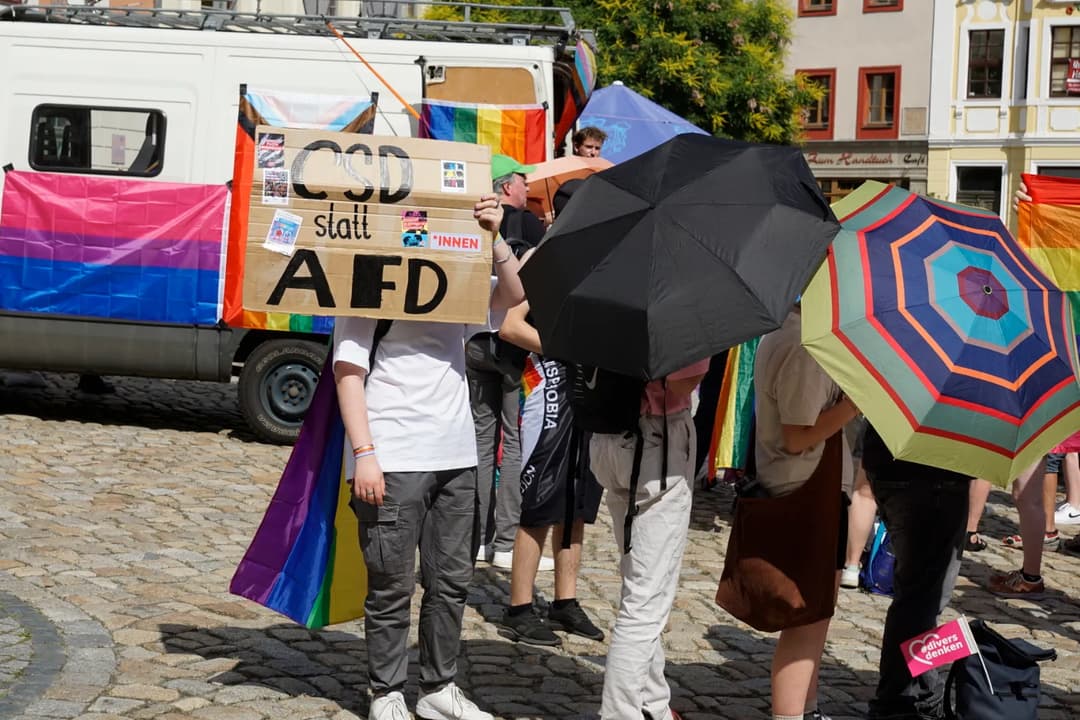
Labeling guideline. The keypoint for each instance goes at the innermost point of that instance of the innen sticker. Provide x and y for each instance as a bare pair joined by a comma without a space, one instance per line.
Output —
454,241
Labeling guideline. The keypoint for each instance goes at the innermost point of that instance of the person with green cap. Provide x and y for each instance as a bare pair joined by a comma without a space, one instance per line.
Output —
494,371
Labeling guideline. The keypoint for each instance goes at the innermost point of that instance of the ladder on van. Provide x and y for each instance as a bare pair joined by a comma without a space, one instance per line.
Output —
377,20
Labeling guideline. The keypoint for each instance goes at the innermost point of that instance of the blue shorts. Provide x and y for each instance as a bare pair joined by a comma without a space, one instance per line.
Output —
1053,463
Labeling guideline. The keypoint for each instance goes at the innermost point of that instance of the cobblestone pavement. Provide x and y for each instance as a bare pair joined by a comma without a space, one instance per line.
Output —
122,518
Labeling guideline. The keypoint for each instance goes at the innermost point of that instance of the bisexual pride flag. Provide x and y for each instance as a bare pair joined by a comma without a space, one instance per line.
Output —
514,130
305,560
112,248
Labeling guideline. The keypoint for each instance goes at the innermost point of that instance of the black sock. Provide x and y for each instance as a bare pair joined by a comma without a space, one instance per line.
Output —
516,610
564,603
1030,578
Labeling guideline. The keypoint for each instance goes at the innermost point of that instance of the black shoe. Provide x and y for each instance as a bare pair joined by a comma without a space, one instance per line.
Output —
530,628
572,619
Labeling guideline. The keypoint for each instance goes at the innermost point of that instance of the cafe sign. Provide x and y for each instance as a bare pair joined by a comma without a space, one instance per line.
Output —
866,160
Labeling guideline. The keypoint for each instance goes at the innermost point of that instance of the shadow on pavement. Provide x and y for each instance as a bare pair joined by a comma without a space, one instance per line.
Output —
332,665
146,402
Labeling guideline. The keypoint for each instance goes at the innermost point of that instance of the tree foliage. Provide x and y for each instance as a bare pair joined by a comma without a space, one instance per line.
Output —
717,63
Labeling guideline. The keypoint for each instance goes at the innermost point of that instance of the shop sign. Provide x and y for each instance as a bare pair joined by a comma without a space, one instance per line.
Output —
865,160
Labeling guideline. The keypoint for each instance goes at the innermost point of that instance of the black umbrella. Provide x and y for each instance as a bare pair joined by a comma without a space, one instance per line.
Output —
677,254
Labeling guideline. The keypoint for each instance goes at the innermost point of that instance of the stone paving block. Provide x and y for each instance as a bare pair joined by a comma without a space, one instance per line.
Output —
163,502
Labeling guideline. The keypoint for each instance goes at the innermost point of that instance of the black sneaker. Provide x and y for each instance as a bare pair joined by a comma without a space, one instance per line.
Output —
529,627
572,619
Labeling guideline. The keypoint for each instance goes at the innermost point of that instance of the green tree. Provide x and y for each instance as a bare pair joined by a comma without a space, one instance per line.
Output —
717,63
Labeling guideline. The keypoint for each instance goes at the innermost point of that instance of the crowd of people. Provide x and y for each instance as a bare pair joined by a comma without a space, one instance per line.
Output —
497,475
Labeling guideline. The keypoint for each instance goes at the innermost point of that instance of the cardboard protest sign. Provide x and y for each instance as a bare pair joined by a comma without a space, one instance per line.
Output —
347,224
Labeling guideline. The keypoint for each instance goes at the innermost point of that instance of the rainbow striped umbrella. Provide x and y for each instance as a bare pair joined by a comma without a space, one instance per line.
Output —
955,345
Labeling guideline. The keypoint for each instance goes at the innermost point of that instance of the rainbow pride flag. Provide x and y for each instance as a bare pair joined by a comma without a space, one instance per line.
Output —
305,561
730,446
1049,230
514,130
112,248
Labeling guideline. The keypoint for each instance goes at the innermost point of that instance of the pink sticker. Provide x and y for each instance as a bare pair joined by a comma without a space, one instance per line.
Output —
941,646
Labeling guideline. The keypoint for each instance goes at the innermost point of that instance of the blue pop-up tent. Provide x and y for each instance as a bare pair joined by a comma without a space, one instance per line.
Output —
633,123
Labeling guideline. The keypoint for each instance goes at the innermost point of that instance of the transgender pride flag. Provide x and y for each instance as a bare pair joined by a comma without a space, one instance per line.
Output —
111,248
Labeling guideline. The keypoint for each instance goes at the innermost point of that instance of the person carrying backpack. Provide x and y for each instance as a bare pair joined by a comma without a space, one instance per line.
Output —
659,513
925,510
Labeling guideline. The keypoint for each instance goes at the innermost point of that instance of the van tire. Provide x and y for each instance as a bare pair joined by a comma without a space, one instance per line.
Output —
277,384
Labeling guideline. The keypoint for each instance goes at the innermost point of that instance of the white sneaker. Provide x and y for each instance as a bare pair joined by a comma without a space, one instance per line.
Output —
849,576
1066,514
505,560
449,704
389,707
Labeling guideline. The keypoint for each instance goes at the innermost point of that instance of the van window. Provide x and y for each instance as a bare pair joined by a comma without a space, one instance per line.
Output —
99,140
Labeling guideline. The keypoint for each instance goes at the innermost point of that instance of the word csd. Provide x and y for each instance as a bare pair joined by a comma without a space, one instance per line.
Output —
360,187
368,282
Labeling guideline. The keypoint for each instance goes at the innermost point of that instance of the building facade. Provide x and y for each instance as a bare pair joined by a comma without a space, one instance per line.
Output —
1005,98
872,57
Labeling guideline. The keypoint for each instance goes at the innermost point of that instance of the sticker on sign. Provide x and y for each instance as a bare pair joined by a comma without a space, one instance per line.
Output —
454,241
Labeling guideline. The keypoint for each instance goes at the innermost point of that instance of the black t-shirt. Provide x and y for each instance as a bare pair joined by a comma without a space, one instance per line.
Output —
520,229
877,460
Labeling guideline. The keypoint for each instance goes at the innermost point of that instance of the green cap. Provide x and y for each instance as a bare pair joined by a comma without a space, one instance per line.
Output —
504,165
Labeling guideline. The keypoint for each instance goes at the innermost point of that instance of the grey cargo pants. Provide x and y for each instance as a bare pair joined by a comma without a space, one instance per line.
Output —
438,512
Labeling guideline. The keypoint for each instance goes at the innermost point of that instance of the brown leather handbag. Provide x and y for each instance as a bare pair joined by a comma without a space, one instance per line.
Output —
780,569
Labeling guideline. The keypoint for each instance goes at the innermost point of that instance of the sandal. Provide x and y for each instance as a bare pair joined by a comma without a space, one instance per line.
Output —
974,543
1013,541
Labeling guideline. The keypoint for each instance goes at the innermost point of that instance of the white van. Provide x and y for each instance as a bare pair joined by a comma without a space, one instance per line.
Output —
152,95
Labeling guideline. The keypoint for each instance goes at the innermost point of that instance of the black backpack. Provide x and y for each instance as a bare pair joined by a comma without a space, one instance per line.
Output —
603,401
609,403
1013,666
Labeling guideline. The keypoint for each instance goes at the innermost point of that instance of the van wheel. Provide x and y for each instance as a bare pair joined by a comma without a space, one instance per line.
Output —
277,385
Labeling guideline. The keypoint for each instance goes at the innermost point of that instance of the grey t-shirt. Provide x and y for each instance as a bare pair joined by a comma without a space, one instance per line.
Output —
790,389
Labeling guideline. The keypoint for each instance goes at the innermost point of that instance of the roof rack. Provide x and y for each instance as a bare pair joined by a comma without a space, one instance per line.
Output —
552,25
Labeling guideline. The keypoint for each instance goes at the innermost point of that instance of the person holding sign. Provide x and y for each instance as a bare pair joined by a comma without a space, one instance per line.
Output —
405,403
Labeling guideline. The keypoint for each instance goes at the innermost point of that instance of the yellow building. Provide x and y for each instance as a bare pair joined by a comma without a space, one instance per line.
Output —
1004,98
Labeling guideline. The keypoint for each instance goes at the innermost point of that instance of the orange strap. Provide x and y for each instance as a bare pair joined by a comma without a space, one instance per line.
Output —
374,72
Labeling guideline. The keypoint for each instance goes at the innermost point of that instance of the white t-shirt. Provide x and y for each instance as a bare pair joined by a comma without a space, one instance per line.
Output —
417,395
